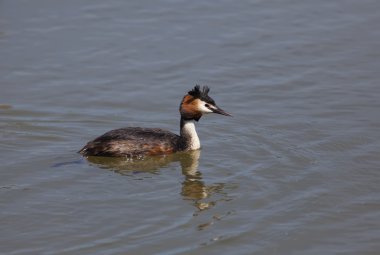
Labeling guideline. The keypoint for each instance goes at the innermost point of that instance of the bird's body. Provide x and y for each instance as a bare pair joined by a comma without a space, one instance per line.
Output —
133,142
138,142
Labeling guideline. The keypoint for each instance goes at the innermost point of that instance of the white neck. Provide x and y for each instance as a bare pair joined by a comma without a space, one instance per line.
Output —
188,131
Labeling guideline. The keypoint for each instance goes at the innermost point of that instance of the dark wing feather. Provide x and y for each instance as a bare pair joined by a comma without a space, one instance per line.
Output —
132,142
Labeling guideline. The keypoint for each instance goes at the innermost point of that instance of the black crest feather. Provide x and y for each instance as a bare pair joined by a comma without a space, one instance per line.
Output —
196,92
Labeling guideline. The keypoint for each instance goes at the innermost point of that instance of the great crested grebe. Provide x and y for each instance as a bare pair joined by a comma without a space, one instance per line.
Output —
138,142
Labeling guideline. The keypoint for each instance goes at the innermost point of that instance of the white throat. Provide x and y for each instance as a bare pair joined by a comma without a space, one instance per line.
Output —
188,131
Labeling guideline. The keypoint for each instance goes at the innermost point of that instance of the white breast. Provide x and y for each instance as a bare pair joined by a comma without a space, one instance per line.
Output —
189,130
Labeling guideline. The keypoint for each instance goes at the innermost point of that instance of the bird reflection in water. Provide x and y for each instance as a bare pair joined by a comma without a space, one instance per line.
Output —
193,188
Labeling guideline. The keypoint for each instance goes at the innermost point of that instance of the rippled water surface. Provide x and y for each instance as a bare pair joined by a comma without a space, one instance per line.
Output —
295,171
